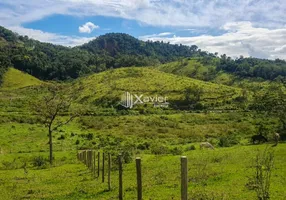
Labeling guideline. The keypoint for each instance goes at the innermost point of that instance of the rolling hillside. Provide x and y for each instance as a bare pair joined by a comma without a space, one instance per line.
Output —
15,79
107,87
116,50
194,68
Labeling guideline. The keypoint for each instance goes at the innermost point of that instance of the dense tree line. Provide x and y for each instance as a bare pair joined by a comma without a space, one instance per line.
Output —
48,61
114,50
247,67
114,44
253,67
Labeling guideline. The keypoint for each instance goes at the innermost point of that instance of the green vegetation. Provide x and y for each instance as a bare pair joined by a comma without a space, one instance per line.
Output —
47,61
115,50
14,79
159,136
212,99
106,88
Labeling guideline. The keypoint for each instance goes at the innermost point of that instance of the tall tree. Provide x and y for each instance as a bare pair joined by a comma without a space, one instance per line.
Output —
54,111
272,102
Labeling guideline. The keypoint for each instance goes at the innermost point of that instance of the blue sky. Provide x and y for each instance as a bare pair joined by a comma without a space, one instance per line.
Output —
68,25
235,27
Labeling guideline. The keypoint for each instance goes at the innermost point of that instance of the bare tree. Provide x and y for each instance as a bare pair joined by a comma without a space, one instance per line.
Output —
57,102
260,180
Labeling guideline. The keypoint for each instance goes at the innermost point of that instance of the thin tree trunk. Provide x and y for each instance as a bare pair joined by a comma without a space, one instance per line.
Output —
51,145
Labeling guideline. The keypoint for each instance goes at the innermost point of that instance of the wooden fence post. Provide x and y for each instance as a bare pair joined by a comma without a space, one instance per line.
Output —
94,163
84,157
88,159
103,160
109,171
98,165
87,156
120,177
184,178
91,159
139,178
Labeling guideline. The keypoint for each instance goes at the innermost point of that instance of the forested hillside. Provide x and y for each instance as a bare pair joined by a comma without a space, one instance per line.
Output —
118,44
53,62
48,61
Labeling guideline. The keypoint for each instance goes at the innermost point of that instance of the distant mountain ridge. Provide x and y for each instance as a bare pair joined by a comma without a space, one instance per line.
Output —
120,43
115,50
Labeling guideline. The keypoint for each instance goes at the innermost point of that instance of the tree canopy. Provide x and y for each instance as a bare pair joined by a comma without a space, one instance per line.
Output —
114,50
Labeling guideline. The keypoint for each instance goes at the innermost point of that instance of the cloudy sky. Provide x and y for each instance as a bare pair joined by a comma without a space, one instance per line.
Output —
254,28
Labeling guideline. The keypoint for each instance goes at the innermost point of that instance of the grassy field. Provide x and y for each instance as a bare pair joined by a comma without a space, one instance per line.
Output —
14,79
107,87
219,174
158,136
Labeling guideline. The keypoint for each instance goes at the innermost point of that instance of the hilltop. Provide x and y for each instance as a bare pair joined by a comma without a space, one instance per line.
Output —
117,44
107,87
115,50
48,61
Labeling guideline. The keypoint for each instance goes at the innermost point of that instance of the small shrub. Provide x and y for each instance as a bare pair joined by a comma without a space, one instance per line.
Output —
143,146
260,180
89,136
228,141
191,148
176,151
62,137
164,117
127,156
162,130
159,149
39,162
77,142
8,165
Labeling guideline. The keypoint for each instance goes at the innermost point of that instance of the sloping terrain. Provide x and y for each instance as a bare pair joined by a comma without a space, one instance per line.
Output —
15,79
107,87
194,68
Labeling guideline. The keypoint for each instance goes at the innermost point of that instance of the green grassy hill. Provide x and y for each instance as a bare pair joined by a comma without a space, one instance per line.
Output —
15,79
16,91
158,138
187,67
107,87
194,68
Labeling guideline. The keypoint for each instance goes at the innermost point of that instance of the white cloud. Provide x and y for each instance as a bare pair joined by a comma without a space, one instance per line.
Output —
164,34
241,38
51,37
262,32
88,27
177,13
